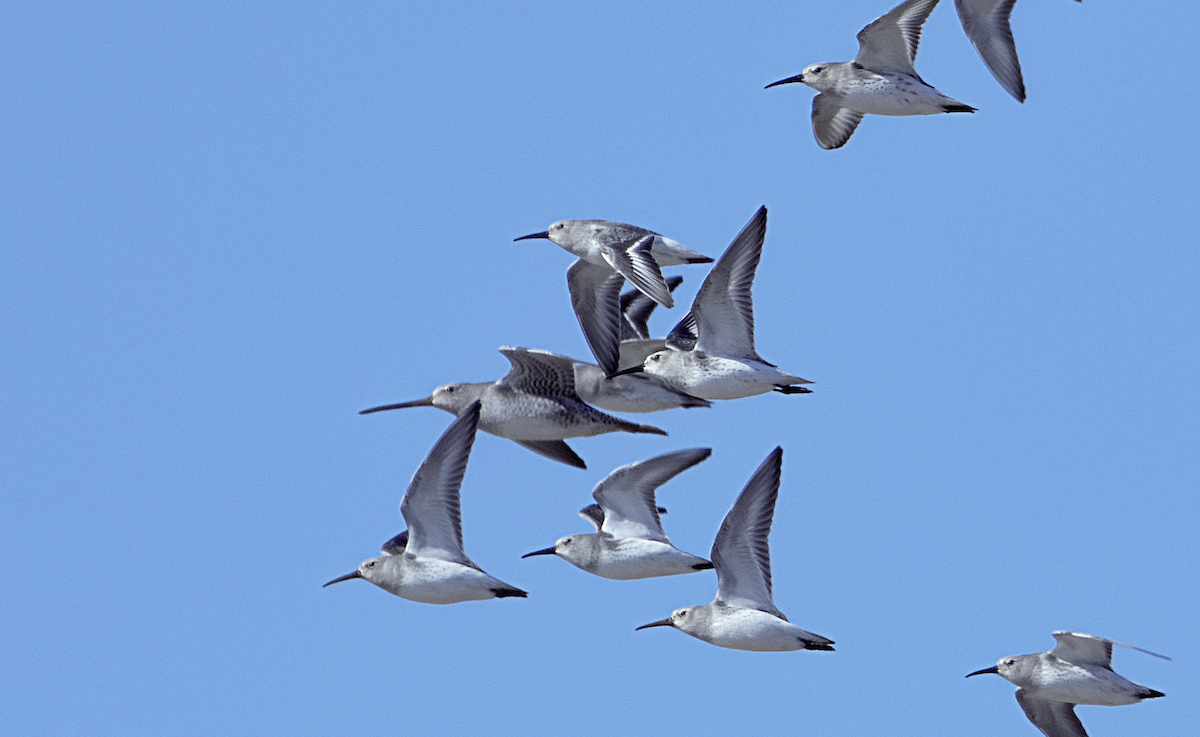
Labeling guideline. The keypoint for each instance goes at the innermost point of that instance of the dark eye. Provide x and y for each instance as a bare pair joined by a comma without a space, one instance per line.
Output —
449,389
1010,661
655,357
817,70
371,564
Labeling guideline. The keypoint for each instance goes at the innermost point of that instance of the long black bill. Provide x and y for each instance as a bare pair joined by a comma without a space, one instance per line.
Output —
547,551
631,370
660,623
426,402
993,669
543,234
347,577
789,80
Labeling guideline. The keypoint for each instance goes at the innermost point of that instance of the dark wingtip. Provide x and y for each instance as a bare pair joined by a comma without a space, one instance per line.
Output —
959,108
703,566
502,593
1154,694
817,646
650,430
700,260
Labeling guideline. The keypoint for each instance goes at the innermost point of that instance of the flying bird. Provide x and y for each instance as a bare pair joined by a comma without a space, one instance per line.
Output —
608,253
743,615
711,351
629,541
881,80
427,562
534,405
1078,670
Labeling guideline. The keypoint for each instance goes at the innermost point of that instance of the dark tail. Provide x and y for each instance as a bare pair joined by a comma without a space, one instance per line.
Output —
503,592
792,390
650,429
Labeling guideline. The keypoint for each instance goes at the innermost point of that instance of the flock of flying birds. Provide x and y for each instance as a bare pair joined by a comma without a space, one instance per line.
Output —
547,398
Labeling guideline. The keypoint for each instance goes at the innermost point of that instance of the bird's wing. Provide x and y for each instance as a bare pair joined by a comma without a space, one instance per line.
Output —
683,336
890,42
723,309
833,124
986,24
636,308
1054,718
396,545
593,513
627,494
1083,649
635,262
539,372
431,504
741,554
596,298
634,352
555,450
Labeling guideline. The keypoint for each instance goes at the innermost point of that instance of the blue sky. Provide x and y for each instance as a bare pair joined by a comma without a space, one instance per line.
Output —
230,228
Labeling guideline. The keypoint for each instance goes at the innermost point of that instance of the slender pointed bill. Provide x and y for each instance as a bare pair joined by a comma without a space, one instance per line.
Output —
547,551
347,577
660,623
426,402
789,80
544,234
631,370
993,669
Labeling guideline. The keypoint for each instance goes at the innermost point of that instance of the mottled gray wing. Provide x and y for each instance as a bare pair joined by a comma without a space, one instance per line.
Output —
635,262
986,23
890,42
396,545
596,299
833,124
723,309
539,372
1083,649
627,494
1054,718
431,504
741,554
683,336
555,450
636,308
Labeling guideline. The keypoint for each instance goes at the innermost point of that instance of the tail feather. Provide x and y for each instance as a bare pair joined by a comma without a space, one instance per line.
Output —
502,592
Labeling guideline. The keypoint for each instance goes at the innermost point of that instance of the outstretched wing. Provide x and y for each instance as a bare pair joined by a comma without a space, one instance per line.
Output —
741,554
723,309
1084,649
890,42
627,494
986,23
596,299
431,504
1054,718
833,124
